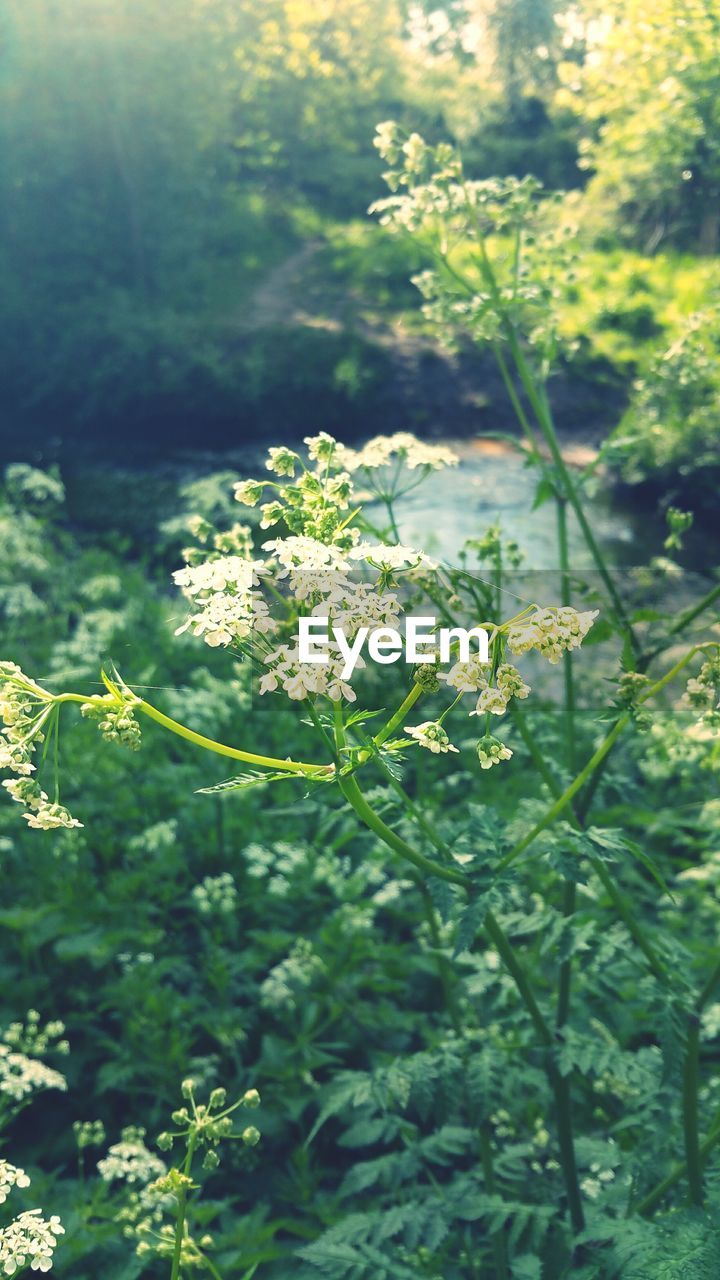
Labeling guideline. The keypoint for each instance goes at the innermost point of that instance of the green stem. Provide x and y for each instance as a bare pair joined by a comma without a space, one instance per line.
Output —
577,820
505,950
653,1198
354,796
396,720
498,1238
691,1076
570,887
209,744
598,756
447,978
233,753
182,1209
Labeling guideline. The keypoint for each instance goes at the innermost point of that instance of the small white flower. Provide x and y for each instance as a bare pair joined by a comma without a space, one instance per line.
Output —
282,461
432,736
467,677
21,1075
392,557
551,631
11,1176
490,700
130,1160
248,492
48,817
492,751
29,1240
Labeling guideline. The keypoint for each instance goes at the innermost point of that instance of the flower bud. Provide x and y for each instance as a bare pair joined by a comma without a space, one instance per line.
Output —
217,1099
165,1141
211,1160
251,1099
187,1087
251,1136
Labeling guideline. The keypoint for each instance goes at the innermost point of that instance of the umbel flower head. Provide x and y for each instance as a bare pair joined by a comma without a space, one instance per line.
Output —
552,632
492,751
431,735
29,1241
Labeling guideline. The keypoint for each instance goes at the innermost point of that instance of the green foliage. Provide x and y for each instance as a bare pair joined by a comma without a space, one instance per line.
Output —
648,91
669,437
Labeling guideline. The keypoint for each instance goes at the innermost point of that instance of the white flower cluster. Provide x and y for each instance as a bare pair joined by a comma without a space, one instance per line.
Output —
29,1241
301,679
495,698
216,895
229,605
130,1159
20,1075
492,751
552,632
11,1176
431,735
402,447
25,709
703,692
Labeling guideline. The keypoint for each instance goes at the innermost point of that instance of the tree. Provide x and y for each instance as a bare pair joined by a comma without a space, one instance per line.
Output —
649,94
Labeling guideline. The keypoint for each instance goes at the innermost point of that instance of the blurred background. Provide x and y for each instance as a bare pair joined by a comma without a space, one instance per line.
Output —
186,262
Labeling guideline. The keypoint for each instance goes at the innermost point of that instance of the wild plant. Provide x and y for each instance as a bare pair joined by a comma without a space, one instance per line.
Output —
500,257
27,1240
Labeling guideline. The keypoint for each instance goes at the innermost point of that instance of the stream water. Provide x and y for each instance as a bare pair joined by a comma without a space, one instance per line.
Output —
493,485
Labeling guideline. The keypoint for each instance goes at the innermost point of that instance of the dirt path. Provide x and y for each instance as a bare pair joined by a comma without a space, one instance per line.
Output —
274,301
427,388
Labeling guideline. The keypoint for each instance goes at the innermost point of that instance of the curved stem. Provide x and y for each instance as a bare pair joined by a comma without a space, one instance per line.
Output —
350,789
209,744
598,756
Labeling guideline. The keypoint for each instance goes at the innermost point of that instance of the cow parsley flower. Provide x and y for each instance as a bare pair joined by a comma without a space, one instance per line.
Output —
302,552
11,1176
551,632
702,692
491,699
302,679
282,461
492,751
248,492
510,682
116,720
467,677
29,1241
216,895
130,1159
21,1075
231,606
431,735
49,817
391,557
401,447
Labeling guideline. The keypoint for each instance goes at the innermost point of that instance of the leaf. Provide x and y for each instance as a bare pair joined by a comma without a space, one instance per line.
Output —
468,927
544,491
613,840
244,780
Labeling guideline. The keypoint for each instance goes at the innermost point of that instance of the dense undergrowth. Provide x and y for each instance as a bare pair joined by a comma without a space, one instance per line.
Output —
471,970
